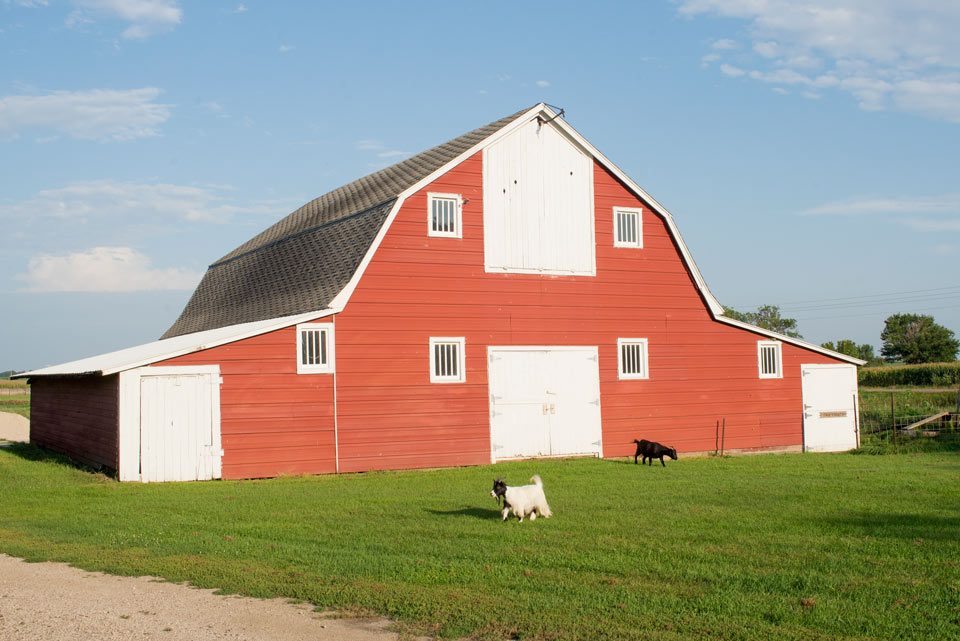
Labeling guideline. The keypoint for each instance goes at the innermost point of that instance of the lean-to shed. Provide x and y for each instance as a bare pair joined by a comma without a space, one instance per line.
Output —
510,293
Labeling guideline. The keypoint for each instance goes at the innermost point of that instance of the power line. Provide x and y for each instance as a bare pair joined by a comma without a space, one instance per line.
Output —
888,298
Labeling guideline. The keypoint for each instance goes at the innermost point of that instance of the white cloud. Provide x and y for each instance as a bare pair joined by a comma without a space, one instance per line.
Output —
888,54
710,57
104,269
241,8
99,114
128,203
145,17
945,204
724,44
730,70
767,49
285,48
381,149
543,83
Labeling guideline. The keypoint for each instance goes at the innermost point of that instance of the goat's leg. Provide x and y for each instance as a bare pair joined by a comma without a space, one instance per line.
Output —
661,462
505,513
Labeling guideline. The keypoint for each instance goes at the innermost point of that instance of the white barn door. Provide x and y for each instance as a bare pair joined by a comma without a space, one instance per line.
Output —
544,401
170,424
829,407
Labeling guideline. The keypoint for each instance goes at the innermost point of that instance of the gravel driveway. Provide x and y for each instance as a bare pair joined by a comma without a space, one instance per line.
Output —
53,601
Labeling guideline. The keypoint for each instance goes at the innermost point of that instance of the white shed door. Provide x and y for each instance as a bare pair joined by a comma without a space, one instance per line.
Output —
177,439
544,402
829,407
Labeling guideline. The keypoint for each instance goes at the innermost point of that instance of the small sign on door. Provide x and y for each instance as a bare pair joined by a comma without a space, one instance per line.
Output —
837,414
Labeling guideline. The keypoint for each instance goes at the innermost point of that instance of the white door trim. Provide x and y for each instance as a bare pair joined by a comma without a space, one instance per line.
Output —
129,414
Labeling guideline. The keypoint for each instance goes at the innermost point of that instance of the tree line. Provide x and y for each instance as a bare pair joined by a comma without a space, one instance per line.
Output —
907,338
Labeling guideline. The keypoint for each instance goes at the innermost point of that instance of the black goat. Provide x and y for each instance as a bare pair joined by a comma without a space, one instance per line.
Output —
651,450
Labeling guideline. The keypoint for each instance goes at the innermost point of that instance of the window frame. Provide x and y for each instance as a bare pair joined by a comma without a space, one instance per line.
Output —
315,368
433,197
778,360
460,342
633,211
644,374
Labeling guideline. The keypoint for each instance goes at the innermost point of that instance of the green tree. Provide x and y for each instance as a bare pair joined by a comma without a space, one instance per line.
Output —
916,338
850,348
767,317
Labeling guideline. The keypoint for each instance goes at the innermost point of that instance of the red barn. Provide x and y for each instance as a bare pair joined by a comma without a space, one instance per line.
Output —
510,293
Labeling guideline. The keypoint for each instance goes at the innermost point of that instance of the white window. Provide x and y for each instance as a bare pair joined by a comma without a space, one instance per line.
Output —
770,359
314,348
444,215
446,360
627,227
632,358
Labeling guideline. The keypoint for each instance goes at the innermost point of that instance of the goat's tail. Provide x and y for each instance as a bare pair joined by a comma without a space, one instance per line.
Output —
536,480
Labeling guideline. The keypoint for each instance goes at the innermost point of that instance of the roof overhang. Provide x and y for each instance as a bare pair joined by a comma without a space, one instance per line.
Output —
161,350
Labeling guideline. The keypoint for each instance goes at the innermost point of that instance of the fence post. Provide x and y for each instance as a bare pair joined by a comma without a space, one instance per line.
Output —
893,422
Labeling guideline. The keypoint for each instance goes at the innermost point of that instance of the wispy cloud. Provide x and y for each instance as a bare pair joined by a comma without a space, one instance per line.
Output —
145,18
946,204
887,54
99,114
104,269
285,48
543,83
132,203
382,150
919,213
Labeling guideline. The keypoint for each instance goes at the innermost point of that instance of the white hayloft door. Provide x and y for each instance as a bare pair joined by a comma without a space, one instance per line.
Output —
170,424
544,402
829,407
538,203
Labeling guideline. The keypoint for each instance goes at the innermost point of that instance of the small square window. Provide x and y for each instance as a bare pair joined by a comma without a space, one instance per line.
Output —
632,358
314,348
770,359
627,227
447,360
444,214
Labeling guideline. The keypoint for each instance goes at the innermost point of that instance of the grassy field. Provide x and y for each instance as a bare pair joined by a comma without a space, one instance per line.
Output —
807,546
15,403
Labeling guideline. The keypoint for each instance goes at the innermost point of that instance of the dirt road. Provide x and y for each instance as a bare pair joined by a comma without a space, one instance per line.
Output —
53,601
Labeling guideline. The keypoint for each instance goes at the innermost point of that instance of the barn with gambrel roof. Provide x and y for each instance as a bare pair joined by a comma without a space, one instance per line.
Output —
510,293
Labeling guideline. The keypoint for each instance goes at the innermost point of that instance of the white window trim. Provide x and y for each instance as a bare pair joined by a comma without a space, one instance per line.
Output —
458,215
779,358
645,365
327,368
461,376
628,210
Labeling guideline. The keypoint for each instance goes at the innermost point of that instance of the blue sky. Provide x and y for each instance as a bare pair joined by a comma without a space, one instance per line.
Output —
807,150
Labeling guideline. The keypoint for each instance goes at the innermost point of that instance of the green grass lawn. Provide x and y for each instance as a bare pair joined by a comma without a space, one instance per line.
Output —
813,546
15,403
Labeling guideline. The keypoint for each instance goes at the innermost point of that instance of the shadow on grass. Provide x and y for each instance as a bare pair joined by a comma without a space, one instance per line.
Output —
901,526
30,452
470,512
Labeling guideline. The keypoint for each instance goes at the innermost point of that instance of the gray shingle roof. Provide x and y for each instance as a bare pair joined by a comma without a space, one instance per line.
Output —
303,261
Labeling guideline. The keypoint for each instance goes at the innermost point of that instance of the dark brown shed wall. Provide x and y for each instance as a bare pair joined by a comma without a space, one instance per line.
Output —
78,417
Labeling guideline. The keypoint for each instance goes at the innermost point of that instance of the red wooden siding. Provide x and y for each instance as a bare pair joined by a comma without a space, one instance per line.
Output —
78,417
272,420
391,416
